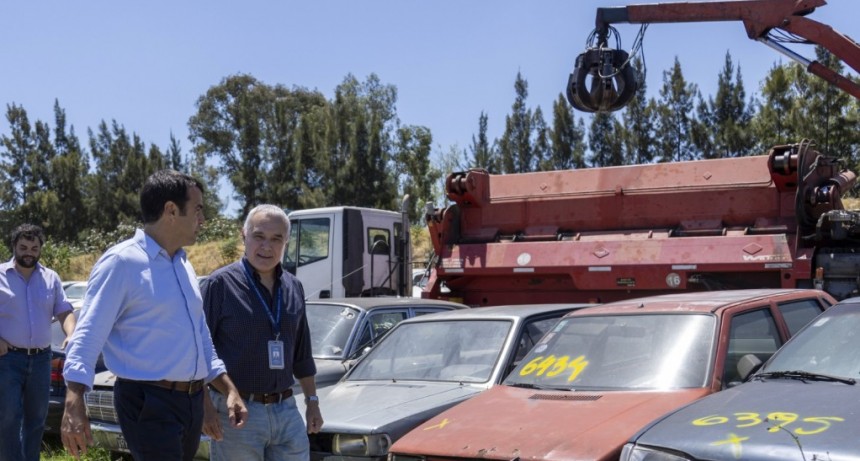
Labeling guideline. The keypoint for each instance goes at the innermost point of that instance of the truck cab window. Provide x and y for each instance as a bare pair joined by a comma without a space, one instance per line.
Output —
309,243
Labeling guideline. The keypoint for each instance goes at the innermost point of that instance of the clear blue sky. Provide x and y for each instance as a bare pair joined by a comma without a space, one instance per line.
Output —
144,64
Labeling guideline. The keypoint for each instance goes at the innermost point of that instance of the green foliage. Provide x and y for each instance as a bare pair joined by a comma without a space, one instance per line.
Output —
93,454
219,228
57,256
230,249
518,150
605,140
294,147
675,117
97,241
567,138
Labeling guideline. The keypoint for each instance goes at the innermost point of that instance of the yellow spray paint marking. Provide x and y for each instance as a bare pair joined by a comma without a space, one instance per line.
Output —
823,420
735,443
438,426
781,420
553,366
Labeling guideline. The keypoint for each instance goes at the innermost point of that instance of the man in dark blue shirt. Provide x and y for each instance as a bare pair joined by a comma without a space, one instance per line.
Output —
256,314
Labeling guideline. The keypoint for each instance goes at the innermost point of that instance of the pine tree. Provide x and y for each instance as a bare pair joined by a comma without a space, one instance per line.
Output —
674,122
638,120
516,147
772,123
604,141
723,127
481,154
567,139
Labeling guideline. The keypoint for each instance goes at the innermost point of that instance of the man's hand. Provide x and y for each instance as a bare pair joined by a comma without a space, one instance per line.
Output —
4,346
313,417
236,410
75,428
211,422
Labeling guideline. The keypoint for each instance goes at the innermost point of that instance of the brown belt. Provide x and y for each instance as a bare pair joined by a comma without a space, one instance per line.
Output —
275,397
191,387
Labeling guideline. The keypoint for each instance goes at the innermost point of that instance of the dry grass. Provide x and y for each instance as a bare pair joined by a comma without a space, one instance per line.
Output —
205,257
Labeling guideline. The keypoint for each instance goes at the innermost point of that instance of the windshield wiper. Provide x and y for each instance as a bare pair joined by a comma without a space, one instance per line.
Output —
802,375
540,387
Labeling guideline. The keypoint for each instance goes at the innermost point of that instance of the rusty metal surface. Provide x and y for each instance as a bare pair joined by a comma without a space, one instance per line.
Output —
534,425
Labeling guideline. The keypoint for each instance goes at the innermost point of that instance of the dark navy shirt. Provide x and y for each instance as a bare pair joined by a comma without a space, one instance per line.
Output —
241,328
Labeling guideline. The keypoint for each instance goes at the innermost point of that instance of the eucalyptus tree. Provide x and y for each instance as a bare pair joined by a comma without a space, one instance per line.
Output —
230,126
414,173
363,119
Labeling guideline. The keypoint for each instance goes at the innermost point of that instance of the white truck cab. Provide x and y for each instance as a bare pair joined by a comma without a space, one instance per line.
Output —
345,251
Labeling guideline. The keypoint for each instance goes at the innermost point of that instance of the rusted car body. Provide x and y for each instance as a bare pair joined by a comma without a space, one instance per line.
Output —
605,372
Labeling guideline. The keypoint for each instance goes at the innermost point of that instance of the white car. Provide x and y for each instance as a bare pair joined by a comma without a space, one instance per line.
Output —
75,292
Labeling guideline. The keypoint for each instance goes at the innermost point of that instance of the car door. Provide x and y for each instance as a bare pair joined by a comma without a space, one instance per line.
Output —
756,330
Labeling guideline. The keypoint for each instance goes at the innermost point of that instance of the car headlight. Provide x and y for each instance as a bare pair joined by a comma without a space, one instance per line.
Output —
361,445
633,452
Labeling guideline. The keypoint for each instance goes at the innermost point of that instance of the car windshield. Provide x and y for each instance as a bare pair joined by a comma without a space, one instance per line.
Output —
76,291
330,325
646,351
459,351
827,346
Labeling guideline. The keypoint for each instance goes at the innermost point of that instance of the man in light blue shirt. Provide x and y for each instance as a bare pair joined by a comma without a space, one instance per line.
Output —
30,296
144,312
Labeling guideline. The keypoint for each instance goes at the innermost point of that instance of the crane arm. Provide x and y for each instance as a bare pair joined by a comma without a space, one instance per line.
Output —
759,17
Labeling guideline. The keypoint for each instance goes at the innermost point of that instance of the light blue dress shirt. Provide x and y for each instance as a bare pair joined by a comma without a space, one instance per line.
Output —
143,310
26,308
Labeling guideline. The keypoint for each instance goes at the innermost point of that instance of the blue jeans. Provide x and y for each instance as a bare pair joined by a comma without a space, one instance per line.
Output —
158,424
25,384
273,432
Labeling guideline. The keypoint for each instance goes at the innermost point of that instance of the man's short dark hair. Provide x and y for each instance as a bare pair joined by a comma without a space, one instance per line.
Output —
27,232
165,186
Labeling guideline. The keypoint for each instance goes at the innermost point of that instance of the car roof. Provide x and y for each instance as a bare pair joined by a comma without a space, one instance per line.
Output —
699,301
512,312
370,303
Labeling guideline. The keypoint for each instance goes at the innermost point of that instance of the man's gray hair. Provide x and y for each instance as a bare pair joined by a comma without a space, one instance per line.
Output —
269,210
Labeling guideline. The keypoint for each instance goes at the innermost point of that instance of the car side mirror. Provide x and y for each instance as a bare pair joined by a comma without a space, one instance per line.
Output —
747,365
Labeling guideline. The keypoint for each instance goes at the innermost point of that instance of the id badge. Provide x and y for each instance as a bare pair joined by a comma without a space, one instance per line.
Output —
276,355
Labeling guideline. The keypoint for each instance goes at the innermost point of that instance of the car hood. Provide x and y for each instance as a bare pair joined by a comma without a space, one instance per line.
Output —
508,423
369,407
766,420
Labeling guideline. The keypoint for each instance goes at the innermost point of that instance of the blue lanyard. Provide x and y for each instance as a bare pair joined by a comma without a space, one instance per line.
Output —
276,320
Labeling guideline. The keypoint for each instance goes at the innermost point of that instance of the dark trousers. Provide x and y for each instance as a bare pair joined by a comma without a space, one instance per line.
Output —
158,424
